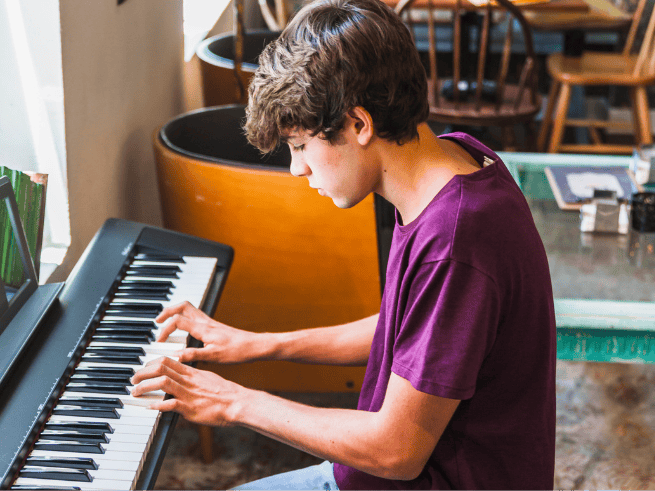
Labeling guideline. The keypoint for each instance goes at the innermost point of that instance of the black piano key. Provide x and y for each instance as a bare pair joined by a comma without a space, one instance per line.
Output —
86,412
155,267
133,313
119,360
61,474
141,339
146,256
67,462
126,295
124,324
127,350
74,447
91,401
146,286
95,427
136,282
151,273
118,332
116,380
73,436
138,306
147,310
100,388
124,332
106,371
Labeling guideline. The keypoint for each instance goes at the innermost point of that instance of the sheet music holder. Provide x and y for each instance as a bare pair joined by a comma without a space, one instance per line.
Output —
22,309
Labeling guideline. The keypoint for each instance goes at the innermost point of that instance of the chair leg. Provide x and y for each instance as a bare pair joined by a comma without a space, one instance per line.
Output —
509,138
206,435
560,118
548,116
641,116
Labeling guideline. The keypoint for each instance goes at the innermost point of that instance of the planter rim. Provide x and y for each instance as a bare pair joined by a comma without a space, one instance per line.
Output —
208,56
162,135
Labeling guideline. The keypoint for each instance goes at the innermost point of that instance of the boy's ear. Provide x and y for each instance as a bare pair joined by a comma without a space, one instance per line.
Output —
362,124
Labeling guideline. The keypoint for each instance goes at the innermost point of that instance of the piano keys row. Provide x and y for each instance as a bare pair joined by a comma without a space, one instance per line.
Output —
98,435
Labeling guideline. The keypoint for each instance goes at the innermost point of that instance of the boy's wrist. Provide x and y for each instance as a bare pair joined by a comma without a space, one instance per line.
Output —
267,346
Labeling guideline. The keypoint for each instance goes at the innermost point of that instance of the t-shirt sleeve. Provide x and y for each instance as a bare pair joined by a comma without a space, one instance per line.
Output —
448,327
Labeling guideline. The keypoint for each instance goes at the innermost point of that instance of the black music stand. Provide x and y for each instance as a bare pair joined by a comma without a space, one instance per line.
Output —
22,311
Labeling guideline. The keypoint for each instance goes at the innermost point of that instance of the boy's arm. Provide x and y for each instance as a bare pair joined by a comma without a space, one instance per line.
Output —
393,443
347,344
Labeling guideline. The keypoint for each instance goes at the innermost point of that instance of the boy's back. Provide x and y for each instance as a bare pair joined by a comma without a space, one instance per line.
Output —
468,314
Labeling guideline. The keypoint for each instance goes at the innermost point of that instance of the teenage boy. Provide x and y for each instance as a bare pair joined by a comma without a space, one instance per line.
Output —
459,390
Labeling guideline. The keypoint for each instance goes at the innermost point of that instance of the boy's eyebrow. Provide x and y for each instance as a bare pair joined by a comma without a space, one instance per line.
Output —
288,138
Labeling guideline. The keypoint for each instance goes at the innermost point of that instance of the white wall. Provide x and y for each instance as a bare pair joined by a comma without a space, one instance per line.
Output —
122,71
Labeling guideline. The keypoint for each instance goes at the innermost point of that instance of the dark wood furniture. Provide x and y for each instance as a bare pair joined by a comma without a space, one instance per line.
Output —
479,100
636,71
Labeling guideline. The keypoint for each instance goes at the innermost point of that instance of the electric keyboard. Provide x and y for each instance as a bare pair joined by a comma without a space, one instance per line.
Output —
67,419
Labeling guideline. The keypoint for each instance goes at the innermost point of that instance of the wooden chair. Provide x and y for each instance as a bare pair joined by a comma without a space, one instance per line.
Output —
276,19
299,261
488,103
634,71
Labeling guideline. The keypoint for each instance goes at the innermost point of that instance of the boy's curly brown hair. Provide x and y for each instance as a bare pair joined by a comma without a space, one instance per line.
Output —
333,56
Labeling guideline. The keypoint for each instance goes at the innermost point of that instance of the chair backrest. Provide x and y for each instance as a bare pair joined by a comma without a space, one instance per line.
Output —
645,64
527,76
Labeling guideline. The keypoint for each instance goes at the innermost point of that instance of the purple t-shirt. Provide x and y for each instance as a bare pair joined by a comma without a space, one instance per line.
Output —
467,313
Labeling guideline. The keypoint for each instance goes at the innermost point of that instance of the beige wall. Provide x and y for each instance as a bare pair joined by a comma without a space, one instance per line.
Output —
122,70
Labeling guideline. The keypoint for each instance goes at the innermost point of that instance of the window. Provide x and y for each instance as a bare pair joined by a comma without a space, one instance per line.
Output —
199,17
32,110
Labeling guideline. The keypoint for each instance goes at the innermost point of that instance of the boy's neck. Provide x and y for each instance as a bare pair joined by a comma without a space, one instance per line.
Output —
412,174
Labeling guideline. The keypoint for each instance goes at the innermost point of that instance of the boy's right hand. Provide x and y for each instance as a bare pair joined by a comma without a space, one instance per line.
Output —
222,343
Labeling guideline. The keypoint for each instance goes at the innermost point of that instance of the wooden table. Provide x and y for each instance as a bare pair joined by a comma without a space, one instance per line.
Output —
580,6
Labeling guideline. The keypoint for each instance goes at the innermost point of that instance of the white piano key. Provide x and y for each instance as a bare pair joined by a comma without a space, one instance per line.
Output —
113,456
154,348
96,484
144,361
96,474
128,437
144,400
140,425
130,461
190,264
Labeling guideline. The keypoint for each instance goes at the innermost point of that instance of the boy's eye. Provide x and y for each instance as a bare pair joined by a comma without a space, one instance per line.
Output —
298,148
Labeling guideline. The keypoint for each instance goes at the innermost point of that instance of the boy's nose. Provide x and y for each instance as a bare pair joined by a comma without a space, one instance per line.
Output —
298,167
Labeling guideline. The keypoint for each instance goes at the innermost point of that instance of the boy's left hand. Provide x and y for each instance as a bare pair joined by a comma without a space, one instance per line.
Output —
199,396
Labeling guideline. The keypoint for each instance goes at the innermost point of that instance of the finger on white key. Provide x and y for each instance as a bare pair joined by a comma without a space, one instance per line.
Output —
143,400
